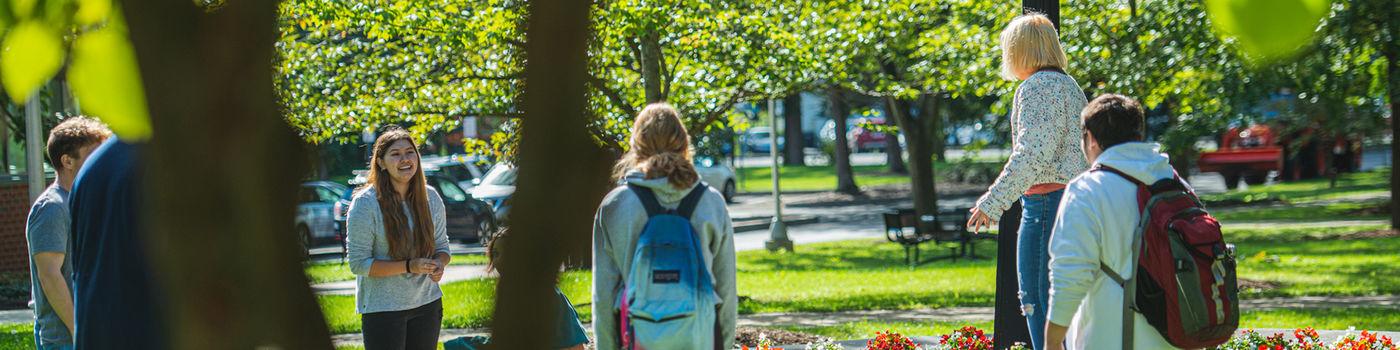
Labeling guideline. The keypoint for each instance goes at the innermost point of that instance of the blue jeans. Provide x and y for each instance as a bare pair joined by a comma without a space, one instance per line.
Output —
1033,259
39,345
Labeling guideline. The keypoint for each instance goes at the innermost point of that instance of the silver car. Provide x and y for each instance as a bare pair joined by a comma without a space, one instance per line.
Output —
315,220
718,175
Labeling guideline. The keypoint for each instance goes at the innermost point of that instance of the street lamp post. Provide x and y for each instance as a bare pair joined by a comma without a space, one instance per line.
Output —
778,237
33,146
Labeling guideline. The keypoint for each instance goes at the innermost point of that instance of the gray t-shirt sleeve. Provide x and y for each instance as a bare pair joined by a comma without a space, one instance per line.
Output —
48,228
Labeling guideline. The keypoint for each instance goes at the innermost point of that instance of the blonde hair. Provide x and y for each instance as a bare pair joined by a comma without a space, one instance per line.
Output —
1030,42
660,147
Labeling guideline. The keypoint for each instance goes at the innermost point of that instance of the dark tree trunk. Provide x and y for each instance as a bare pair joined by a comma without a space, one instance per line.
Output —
793,143
845,178
651,67
223,158
933,118
894,155
916,136
554,141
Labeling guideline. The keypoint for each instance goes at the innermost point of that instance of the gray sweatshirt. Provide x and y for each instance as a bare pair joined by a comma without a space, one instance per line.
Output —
615,231
366,241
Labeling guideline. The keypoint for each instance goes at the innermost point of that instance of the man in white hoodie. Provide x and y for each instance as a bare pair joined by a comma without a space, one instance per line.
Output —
1097,220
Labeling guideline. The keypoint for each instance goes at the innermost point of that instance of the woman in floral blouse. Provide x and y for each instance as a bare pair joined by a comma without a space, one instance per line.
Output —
1045,133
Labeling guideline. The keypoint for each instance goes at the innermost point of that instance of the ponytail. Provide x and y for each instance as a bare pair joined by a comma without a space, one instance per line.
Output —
660,147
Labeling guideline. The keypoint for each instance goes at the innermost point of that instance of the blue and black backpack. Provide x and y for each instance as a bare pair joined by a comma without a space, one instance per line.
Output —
668,299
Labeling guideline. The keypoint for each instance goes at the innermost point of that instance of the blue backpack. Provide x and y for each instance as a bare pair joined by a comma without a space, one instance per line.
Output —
668,300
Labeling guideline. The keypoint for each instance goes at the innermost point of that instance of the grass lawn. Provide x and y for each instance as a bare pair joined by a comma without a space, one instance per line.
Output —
814,178
823,178
1377,181
1354,210
16,336
870,275
334,271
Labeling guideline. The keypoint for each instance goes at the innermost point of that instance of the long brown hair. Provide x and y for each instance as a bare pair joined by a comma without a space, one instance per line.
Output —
660,147
403,243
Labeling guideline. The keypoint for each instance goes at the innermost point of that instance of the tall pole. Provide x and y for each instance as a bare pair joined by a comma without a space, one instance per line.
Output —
1049,8
33,144
778,237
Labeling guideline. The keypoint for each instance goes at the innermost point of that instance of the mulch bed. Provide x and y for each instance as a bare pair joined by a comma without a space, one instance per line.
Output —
1369,235
748,336
1248,284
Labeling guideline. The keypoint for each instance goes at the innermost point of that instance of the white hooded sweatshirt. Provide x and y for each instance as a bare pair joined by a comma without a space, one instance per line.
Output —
1097,219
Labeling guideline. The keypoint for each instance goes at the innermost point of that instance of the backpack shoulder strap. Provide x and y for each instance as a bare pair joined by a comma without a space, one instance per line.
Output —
692,199
648,199
1129,284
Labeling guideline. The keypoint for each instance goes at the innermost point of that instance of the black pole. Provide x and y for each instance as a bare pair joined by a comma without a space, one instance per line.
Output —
1009,325
1049,8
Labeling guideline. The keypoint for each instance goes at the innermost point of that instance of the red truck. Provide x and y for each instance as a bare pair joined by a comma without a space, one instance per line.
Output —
1250,153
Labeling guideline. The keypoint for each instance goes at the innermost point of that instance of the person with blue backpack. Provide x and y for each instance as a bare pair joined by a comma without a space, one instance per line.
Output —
663,248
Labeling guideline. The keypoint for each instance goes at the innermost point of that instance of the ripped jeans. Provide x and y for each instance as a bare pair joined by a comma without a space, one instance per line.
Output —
1033,260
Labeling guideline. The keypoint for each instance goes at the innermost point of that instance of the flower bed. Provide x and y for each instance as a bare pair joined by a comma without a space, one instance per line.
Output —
1308,339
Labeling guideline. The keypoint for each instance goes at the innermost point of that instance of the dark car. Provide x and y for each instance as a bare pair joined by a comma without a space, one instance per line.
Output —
467,218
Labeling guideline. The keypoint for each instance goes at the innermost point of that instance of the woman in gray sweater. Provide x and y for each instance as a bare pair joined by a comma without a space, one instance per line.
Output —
659,159
398,249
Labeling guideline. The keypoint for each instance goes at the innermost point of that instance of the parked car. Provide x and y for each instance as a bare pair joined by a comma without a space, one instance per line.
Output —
859,139
315,219
461,168
718,175
496,189
757,140
468,219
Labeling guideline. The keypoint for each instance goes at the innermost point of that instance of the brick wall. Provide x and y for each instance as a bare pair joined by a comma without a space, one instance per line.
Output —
14,210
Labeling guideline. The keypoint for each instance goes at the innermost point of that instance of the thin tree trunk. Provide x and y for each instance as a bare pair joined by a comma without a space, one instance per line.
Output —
916,131
940,140
793,143
554,141
223,158
894,154
651,67
845,178
1394,75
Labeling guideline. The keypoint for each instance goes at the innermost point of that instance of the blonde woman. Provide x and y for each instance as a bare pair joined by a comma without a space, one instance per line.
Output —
1045,155
659,162
398,249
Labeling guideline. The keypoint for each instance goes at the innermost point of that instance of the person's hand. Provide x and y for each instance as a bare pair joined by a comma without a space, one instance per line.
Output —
422,266
979,220
437,276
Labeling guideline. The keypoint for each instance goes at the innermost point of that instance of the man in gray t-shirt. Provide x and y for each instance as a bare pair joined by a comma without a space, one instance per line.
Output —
48,231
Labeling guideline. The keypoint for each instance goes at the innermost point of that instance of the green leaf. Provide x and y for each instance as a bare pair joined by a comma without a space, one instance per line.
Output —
31,55
105,79
22,8
92,11
1268,29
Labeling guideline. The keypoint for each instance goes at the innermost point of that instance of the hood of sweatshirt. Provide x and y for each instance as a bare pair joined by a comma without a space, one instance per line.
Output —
1141,160
665,193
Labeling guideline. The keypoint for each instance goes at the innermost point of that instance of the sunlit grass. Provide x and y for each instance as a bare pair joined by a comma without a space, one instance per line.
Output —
335,271
1371,182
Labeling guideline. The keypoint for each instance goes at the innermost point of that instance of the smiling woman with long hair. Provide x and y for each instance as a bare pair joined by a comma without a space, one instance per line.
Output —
398,249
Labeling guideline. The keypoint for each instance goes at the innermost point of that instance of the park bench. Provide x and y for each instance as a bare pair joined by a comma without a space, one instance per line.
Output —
906,227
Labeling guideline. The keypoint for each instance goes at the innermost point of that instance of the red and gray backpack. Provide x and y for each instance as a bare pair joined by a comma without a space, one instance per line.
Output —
1187,290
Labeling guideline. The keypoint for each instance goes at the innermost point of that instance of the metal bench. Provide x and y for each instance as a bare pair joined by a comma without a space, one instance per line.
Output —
906,227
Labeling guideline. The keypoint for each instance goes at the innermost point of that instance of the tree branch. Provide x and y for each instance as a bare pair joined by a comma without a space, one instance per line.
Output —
711,116
612,95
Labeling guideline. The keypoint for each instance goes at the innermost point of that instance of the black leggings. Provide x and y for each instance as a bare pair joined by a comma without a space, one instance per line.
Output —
412,329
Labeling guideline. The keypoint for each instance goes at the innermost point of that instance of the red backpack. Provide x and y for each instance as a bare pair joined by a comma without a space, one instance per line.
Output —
1188,290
